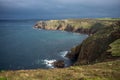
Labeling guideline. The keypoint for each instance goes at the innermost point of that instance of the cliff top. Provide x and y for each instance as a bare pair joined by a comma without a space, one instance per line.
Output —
99,71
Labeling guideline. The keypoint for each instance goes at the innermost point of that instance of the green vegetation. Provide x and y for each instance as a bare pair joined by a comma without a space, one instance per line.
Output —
55,23
3,78
78,23
115,48
2,70
99,71
108,18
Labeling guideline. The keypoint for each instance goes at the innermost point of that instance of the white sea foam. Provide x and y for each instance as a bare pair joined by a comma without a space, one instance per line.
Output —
49,63
37,28
63,53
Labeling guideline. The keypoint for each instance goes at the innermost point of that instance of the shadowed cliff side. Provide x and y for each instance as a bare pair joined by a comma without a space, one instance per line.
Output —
94,48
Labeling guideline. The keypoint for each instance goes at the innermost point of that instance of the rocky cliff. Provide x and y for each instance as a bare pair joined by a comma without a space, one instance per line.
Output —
85,26
94,48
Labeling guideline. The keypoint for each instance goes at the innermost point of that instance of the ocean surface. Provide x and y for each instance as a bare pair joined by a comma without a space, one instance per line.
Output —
23,47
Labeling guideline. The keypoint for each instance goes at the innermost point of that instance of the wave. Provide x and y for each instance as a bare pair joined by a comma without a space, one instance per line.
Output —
36,28
49,63
63,54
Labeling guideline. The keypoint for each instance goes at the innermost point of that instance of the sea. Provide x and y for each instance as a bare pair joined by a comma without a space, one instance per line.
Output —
23,47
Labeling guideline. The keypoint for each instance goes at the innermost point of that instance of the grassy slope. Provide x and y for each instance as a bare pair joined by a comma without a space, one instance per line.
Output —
92,23
99,71
81,23
115,48
108,18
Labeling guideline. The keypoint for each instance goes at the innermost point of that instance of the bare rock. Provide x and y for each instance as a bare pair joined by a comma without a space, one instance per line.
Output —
59,64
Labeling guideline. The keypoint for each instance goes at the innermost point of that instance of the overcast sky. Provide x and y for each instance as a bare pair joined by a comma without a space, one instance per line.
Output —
52,9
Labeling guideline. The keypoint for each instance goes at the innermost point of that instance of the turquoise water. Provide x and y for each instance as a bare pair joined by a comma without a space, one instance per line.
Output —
22,47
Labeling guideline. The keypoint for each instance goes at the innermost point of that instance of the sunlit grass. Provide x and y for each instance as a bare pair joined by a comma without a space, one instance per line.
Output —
99,71
108,18
3,78
115,48
81,23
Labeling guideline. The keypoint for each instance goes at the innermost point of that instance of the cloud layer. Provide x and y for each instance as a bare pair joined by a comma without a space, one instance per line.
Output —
59,8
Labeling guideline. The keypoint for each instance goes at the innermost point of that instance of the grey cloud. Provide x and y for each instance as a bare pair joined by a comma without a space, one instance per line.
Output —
61,8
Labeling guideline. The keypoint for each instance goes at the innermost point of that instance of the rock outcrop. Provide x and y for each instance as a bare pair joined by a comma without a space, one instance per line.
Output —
59,64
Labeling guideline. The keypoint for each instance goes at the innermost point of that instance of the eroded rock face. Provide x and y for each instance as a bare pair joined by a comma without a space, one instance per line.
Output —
93,49
41,25
74,53
59,64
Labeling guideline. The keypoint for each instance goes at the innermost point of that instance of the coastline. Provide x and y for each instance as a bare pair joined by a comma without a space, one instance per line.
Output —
103,67
92,27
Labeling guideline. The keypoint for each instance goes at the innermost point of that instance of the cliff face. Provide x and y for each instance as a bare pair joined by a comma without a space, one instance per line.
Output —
94,48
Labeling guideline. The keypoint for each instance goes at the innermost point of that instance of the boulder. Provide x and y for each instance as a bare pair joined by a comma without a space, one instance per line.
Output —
59,64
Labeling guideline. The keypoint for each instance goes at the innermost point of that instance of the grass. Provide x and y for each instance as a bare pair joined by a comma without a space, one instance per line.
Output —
108,18
99,71
81,23
3,78
115,48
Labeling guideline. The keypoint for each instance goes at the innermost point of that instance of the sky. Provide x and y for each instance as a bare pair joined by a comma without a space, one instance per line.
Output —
55,9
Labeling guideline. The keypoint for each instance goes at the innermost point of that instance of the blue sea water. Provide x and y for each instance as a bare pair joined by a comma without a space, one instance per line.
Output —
22,47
